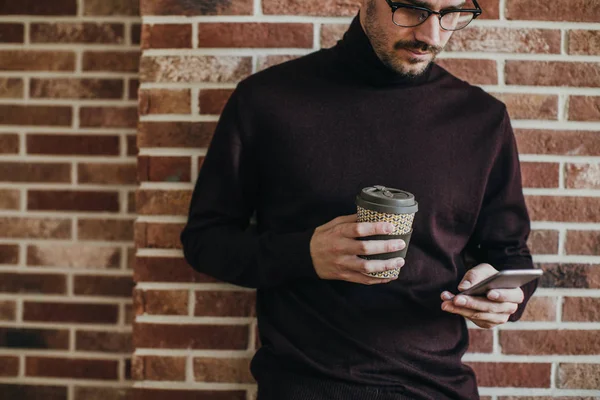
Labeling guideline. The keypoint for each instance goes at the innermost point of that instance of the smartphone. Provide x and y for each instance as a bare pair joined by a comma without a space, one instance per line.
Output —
508,279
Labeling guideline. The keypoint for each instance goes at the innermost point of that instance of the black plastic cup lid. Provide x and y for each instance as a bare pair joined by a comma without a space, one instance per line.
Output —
387,200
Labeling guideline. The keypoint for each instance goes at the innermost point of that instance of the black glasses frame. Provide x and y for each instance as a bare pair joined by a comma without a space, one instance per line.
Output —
395,6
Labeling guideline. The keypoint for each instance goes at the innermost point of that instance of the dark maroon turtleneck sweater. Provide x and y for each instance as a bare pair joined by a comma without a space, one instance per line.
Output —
295,144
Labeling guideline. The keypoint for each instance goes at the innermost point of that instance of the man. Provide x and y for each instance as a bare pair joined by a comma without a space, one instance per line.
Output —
296,143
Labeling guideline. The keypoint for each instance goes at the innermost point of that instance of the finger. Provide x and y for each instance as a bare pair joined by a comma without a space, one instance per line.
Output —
362,266
361,229
343,219
475,315
480,303
506,295
366,247
476,275
446,295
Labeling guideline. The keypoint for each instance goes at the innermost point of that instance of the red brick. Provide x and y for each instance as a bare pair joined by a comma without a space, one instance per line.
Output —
103,393
505,40
131,251
7,307
70,312
584,42
11,33
161,302
42,172
530,106
477,72
540,174
34,7
127,369
578,376
35,228
168,394
329,8
85,145
158,235
64,200
32,283
35,115
569,143
581,309
57,88
331,33
111,61
9,253
583,242
132,149
134,85
129,314
74,256
107,174
112,7
39,339
557,10
581,276
530,375
164,101
9,199
11,88
584,108
540,309
210,69
105,229
105,342
225,304
543,242
131,207
9,366
164,169
108,286
212,101
9,143
167,269
163,202
136,33
10,391
88,32
563,209
193,8
36,60
261,35
175,134
265,62
158,368
213,337
480,341
166,36
55,367
556,73
108,117
553,342
222,370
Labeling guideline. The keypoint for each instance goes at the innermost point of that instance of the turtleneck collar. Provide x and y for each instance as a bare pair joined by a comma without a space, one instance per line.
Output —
356,55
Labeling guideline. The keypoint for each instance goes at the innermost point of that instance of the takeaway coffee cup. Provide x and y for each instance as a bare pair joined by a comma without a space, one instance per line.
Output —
382,204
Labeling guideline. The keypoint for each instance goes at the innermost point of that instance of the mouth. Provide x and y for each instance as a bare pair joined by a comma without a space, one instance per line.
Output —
418,54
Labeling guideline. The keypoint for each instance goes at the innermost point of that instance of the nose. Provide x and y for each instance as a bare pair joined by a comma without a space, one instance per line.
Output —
429,31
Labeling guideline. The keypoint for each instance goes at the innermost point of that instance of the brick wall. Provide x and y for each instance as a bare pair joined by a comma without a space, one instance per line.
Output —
68,84
541,58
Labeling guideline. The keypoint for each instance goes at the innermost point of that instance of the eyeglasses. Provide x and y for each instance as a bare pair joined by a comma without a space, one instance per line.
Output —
408,15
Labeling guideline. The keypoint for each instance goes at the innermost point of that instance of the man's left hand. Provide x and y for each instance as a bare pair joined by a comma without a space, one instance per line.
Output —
486,312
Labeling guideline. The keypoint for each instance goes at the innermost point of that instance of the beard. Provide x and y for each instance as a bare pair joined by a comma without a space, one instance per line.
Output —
389,57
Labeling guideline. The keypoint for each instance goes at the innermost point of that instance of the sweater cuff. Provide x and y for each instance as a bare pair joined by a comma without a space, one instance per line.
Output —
295,249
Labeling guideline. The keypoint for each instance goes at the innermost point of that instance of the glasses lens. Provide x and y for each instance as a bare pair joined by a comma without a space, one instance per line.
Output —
409,16
456,20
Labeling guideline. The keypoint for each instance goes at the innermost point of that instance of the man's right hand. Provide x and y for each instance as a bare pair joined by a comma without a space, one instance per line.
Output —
334,250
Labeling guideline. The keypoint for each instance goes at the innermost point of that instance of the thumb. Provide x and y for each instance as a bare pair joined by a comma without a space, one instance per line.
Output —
476,275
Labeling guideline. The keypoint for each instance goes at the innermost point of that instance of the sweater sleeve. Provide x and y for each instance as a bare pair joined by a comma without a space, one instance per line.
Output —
503,225
218,239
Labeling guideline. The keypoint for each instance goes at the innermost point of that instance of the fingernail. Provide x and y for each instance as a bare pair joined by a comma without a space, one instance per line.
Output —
389,228
460,301
446,296
464,285
493,295
402,244
446,307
